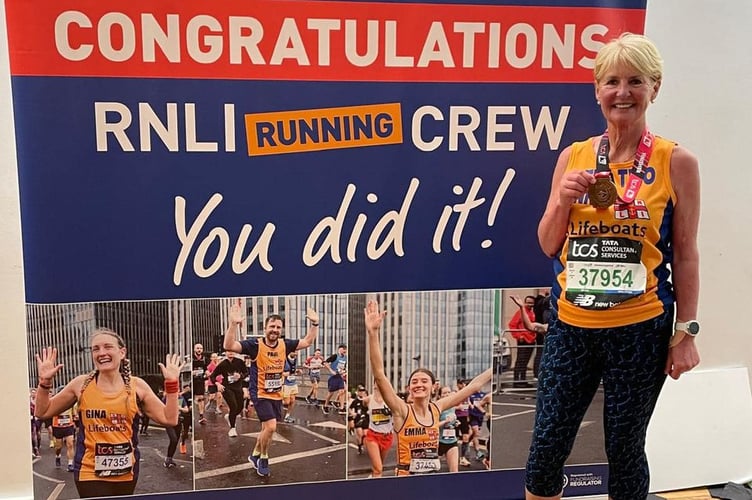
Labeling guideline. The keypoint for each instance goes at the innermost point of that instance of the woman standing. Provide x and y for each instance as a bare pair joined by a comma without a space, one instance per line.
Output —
107,457
232,372
358,416
379,436
621,219
179,433
416,423
448,438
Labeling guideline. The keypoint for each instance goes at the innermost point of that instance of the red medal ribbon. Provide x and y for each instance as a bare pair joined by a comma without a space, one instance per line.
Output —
640,165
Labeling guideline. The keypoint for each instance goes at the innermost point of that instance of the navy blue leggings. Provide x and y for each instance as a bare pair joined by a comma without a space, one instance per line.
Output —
630,360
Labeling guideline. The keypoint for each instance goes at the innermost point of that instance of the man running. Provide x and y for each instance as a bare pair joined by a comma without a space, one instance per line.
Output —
267,364
314,364
477,415
290,385
63,429
198,367
337,366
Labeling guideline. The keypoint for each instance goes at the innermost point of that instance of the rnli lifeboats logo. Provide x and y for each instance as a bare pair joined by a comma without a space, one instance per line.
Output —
636,210
324,128
118,419
433,434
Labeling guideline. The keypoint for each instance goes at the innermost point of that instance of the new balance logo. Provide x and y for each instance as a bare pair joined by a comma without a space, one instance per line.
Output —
584,300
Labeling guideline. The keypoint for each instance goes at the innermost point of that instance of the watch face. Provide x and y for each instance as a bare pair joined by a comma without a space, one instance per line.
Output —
693,327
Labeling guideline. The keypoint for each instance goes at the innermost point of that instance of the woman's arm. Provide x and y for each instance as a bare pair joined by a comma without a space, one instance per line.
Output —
533,326
474,386
450,418
47,368
47,407
244,369
685,268
222,369
373,320
566,188
219,369
163,413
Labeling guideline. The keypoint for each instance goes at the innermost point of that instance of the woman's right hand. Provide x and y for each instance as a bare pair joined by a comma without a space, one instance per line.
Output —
373,317
47,365
573,185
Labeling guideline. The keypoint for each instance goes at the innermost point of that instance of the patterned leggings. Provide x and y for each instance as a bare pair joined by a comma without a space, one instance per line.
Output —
630,360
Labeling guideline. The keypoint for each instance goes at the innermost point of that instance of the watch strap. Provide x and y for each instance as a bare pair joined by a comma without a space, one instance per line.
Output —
677,337
683,326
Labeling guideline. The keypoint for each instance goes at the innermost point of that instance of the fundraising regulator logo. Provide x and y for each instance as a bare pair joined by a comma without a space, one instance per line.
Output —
586,479
306,130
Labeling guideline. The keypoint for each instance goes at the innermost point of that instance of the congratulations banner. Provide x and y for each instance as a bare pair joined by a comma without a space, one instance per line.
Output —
185,149
193,149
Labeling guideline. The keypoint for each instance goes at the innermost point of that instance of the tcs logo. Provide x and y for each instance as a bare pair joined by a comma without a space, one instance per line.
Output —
104,449
584,250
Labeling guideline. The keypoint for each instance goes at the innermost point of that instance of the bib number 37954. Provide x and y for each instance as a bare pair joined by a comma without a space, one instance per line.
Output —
604,272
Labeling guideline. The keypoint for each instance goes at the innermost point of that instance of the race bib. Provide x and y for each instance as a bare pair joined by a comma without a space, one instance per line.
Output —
199,372
424,461
604,272
379,418
272,382
64,420
448,433
291,378
112,459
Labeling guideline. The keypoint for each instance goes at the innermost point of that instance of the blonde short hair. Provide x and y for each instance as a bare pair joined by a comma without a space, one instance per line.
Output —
636,51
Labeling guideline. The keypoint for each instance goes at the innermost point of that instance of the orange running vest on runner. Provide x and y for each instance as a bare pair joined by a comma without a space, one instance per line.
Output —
612,270
106,444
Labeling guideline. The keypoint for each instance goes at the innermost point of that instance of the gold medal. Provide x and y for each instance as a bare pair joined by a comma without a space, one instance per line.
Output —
602,194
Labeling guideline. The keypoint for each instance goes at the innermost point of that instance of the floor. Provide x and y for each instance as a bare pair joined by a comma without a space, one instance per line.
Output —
693,494
696,494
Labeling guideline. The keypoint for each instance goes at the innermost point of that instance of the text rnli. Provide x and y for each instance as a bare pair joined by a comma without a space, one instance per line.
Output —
325,128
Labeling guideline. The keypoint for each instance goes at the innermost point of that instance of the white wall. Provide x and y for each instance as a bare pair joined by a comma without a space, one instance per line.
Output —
14,431
702,430
705,103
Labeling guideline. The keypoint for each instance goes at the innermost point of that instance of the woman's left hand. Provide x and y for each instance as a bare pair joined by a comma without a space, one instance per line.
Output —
682,357
172,366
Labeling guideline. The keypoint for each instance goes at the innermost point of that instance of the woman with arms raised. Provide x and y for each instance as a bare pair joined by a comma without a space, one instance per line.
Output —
416,423
107,458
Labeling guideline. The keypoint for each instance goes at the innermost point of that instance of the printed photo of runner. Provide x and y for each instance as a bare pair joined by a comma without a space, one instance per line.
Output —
444,339
110,396
525,314
266,415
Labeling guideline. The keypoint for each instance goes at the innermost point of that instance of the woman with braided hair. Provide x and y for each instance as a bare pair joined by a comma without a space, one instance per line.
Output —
107,458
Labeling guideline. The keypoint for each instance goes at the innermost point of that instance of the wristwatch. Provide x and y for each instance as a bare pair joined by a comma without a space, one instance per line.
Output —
691,327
